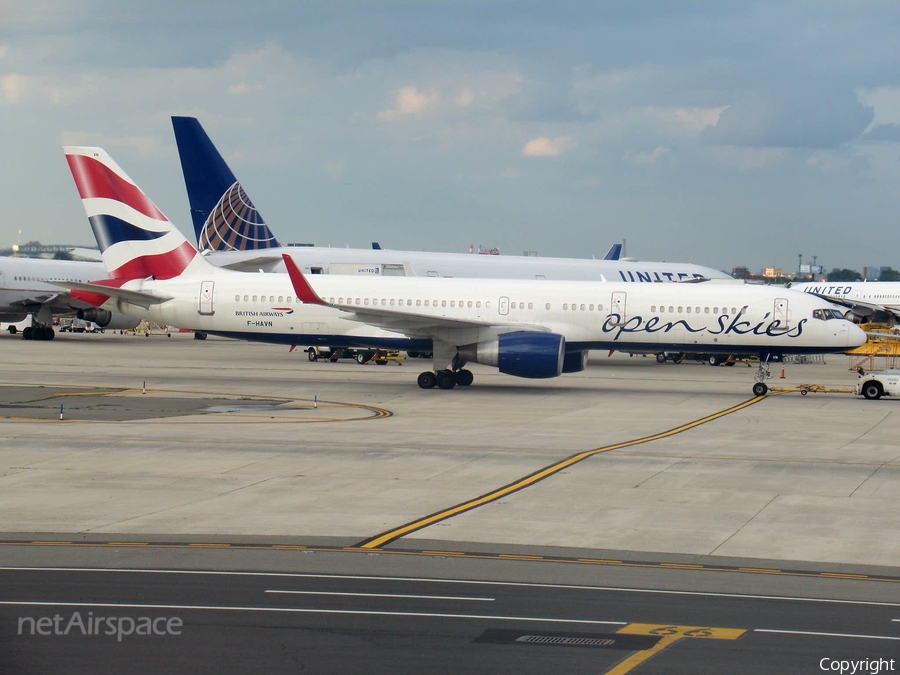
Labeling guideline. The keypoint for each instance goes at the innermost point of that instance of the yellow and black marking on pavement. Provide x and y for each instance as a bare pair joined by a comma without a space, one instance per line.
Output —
668,635
472,555
386,538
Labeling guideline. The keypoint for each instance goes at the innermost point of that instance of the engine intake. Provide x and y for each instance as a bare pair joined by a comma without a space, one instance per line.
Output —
106,319
521,354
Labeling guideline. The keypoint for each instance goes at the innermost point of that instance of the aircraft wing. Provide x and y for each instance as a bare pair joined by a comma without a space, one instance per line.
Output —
139,298
411,324
868,307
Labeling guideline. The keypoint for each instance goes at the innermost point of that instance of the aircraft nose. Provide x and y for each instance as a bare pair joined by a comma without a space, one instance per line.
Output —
856,337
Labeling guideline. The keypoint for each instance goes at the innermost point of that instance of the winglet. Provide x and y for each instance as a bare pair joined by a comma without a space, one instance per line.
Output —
304,291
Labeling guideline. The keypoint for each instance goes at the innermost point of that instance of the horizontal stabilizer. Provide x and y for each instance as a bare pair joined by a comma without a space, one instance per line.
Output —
139,298
265,263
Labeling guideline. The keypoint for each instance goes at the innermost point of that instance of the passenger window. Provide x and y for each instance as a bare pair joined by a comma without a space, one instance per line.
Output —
384,302
340,301
419,303
715,310
254,298
271,298
565,305
671,309
706,310
280,298
688,310
599,308
290,299
478,304
652,308
237,298
470,304
530,305
487,304
427,303
443,303
392,302
582,307
453,303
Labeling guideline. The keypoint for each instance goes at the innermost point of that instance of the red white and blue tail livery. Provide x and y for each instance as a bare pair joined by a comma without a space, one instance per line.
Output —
136,240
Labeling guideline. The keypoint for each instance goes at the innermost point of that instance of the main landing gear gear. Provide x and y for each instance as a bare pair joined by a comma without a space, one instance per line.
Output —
38,331
445,379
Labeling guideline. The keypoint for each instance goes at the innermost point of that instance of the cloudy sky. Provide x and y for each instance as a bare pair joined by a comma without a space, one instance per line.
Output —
718,133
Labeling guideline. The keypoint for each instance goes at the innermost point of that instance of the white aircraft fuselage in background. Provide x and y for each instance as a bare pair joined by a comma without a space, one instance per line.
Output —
863,298
27,288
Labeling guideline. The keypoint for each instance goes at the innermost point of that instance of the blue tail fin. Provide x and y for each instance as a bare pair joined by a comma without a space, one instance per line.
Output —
224,217
614,252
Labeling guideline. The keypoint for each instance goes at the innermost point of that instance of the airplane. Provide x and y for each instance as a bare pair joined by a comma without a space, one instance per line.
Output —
26,289
864,299
231,231
526,328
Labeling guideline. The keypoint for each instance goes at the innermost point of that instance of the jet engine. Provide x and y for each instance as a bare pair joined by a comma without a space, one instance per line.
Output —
522,354
105,319
575,362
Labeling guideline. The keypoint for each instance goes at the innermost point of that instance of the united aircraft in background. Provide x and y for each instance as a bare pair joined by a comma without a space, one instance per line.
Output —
863,299
27,289
526,328
226,222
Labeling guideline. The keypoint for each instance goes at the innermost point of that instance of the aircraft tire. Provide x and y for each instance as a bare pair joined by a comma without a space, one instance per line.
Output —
12,330
760,389
714,360
660,358
27,333
426,380
312,356
464,378
446,379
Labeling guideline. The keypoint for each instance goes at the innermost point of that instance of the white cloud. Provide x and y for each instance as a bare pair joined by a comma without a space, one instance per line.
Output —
548,147
14,87
4,50
410,101
697,119
646,158
465,98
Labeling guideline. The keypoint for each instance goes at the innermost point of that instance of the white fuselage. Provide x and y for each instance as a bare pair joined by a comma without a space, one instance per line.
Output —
883,293
312,260
713,316
25,284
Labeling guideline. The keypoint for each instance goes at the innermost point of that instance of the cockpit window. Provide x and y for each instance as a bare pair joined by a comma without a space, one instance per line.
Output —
826,314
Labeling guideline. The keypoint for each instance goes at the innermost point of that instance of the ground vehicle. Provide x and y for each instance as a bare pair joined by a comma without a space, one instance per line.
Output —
361,356
73,325
711,359
876,385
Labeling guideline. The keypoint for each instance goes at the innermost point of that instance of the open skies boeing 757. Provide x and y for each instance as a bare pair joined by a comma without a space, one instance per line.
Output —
228,224
527,328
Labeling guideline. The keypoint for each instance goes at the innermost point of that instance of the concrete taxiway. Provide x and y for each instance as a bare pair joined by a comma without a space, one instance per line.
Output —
241,439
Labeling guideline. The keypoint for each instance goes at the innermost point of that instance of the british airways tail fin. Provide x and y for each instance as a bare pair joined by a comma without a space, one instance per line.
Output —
136,240
223,215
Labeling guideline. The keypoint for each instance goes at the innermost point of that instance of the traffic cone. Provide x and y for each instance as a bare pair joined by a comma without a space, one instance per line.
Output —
782,371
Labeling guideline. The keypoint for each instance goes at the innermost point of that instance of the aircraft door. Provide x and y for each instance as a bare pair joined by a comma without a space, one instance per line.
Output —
503,306
780,312
206,298
617,305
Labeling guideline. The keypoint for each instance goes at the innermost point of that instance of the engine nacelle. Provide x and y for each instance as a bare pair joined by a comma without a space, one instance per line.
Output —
106,319
522,354
575,362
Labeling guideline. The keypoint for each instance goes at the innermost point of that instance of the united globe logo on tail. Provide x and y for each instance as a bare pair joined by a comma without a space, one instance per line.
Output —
136,240
235,225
